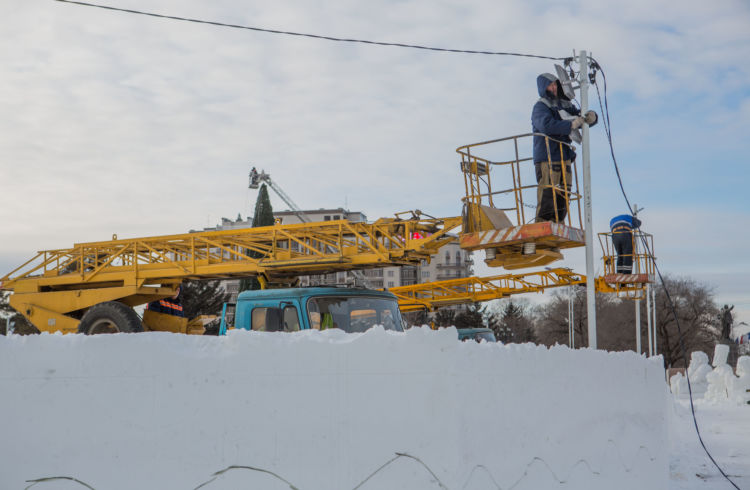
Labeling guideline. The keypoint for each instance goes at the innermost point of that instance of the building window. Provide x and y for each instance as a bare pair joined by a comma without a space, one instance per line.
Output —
425,273
336,217
447,257
390,284
326,218
390,273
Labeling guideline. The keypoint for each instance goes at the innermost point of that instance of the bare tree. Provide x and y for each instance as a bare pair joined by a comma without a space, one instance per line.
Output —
551,326
697,314
615,318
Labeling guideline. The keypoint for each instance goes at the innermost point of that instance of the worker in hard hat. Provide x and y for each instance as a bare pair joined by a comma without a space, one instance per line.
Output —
555,116
622,227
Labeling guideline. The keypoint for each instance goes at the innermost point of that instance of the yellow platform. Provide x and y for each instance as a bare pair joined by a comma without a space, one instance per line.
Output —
532,245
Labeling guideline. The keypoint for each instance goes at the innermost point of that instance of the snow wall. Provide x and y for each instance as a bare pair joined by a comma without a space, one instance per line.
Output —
327,410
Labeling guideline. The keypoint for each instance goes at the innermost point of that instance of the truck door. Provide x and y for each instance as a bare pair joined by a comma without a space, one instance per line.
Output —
281,318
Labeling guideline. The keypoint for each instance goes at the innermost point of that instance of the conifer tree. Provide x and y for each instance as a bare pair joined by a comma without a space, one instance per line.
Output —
202,298
513,325
471,317
445,317
263,216
5,308
9,316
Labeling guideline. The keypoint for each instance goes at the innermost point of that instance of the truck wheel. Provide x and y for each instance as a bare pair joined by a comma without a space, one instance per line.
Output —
110,317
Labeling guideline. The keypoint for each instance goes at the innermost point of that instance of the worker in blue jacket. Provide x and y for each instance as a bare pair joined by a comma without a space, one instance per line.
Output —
622,227
555,116
168,306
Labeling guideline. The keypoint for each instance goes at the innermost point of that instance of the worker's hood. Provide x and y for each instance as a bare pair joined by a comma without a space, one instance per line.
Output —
543,81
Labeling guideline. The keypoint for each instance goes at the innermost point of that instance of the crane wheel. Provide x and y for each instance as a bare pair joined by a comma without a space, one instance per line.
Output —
110,317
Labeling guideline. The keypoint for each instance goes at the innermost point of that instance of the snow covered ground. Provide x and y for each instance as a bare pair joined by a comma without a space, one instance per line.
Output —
726,432
328,410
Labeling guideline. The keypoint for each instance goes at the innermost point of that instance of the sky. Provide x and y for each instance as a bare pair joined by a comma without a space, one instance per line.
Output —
126,124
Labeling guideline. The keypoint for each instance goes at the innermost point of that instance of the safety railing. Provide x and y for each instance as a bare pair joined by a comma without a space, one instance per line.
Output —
636,257
508,182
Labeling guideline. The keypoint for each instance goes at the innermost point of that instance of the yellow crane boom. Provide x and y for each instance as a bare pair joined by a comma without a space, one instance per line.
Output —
55,283
464,290
433,295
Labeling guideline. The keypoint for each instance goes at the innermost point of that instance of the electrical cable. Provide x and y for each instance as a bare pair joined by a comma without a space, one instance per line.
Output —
608,130
314,36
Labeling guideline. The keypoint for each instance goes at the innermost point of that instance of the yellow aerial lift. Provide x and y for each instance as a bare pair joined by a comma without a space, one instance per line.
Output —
55,288
495,220
630,286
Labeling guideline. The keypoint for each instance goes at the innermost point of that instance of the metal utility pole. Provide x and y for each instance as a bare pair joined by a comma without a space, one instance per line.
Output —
638,301
571,317
589,227
653,312
638,326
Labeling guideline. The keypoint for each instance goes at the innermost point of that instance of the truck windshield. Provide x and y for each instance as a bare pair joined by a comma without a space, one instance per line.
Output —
353,313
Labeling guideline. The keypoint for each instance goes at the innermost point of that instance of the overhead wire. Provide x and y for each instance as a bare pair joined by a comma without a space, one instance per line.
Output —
308,35
608,130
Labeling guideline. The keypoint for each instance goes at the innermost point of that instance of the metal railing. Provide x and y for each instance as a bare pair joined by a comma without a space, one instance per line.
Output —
642,257
512,173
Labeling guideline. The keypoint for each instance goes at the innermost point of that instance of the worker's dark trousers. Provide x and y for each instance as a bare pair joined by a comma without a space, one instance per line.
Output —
623,243
549,178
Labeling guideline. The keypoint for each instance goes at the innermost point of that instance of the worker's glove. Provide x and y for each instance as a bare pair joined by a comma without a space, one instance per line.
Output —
591,118
577,123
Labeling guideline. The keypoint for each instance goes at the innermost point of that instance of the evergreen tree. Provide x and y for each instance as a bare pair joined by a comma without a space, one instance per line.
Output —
263,216
202,298
513,325
471,317
445,317
9,316
417,318
5,308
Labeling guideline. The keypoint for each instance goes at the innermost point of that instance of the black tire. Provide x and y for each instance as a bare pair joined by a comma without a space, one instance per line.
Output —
110,317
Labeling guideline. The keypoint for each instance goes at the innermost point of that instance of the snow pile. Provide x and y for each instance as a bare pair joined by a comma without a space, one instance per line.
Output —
725,429
328,410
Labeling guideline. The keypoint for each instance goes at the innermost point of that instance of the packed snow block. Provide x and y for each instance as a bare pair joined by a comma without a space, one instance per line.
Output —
327,410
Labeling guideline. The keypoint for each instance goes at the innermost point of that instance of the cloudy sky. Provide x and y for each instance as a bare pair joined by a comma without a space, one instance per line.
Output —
120,123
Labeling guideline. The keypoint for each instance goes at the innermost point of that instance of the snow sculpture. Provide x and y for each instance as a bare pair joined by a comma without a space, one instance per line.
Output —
720,378
721,352
679,385
739,386
698,369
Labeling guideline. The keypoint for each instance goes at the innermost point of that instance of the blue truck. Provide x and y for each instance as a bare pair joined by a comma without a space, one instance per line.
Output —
319,308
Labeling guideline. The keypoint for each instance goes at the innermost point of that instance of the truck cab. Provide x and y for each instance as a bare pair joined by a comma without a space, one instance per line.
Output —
319,308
